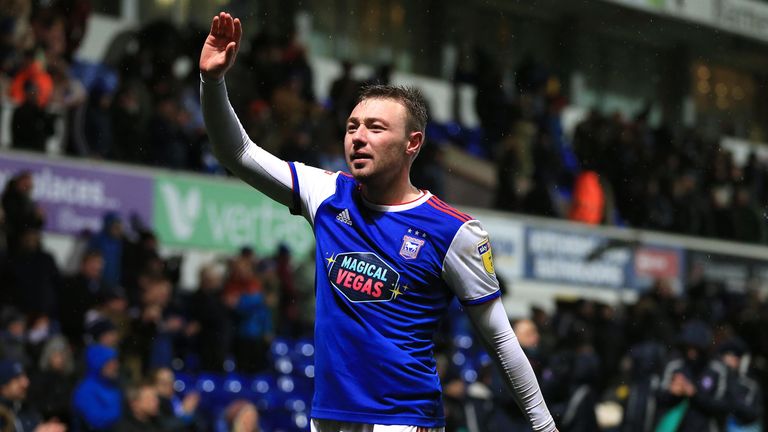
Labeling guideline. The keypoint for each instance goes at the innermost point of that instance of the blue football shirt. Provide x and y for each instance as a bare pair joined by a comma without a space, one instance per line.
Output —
385,276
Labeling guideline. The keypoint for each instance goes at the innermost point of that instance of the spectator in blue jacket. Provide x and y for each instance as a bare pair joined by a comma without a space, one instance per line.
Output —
97,399
110,243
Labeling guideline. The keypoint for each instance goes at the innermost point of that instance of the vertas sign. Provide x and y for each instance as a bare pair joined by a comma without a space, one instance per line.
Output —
208,213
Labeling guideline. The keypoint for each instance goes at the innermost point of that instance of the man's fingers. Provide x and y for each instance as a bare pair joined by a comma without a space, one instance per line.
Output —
230,51
229,27
215,25
238,31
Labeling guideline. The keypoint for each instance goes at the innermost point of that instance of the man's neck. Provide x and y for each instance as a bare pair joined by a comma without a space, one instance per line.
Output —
141,417
391,195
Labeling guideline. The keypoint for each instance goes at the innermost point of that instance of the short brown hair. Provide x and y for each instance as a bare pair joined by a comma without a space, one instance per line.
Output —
410,97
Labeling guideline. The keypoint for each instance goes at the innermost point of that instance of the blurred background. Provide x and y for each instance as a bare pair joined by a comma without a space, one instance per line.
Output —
615,150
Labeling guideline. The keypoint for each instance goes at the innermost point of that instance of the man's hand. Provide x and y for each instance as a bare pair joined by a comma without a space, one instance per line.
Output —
221,46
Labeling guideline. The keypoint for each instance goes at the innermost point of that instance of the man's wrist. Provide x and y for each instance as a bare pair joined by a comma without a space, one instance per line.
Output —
210,79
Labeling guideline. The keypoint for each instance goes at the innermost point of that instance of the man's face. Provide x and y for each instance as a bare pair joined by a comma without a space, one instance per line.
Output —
147,403
527,334
164,383
376,140
15,389
111,369
24,184
93,266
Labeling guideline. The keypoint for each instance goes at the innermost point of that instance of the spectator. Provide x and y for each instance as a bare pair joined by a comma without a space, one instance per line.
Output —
212,317
254,330
16,414
51,388
78,295
33,277
13,341
289,323
748,222
152,334
97,400
744,395
692,391
643,384
31,85
110,243
174,413
98,125
588,199
343,96
31,124
68,102
101,331
20,210
129,124
169,144
139,257
240,416
143,410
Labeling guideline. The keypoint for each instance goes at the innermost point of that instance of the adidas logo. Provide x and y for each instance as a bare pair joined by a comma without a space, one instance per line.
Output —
343,217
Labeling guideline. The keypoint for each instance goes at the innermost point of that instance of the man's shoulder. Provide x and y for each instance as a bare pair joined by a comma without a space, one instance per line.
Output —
445,213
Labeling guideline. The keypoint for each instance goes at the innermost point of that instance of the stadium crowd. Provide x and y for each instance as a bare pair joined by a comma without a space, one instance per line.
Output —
140,105
97,349
119,345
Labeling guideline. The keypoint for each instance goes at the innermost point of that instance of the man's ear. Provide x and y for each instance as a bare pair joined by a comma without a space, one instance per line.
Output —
415,141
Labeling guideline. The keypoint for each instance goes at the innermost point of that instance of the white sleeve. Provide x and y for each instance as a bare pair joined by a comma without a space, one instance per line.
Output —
468,265
490,320
311,187
295,185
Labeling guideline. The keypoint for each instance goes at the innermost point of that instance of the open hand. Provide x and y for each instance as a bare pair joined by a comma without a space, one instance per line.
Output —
221,46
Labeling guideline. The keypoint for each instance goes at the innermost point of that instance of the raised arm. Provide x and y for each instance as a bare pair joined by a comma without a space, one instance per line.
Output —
230,143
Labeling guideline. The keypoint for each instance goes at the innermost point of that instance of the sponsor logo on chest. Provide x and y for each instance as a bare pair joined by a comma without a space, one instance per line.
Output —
363,277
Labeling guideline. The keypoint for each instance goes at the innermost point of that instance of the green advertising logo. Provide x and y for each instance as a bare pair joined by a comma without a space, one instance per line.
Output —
216,214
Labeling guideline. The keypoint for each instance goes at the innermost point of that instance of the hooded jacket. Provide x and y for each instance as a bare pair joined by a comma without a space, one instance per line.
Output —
97,399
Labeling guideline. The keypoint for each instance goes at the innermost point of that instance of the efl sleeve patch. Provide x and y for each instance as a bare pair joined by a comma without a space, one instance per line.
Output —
484,249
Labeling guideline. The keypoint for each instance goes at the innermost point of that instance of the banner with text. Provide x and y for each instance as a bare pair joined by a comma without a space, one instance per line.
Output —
652,262
198,212
560,256
75,196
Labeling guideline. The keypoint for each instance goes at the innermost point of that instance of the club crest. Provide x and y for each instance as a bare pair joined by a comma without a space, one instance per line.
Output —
410,247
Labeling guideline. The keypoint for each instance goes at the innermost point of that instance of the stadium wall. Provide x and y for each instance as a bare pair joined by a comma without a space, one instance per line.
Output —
203,218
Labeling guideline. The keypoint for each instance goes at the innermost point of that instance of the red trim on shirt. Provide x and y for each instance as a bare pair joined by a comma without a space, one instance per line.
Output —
448,210
448,207
442,204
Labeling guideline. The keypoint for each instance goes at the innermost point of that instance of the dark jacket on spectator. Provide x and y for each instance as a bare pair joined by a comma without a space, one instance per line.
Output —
708,408
77,295
215,335
745,399
31,127
22,416
132,424
34,278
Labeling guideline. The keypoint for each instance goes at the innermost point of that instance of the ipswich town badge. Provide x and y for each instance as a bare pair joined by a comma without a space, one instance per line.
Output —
410,247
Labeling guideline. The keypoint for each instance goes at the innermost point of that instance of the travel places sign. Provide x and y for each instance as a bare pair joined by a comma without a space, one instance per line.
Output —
75,196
